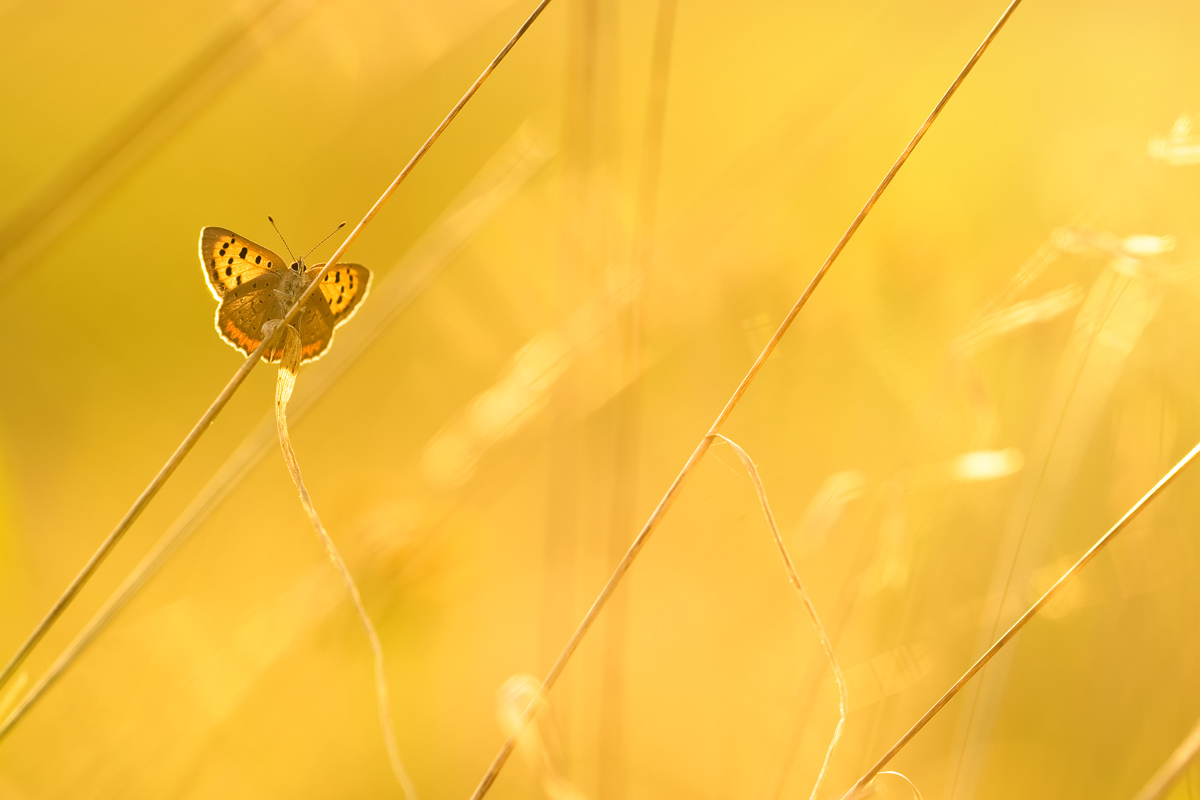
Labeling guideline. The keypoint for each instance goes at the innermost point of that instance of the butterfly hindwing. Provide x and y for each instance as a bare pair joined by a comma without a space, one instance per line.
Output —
243,312
315,327
230,260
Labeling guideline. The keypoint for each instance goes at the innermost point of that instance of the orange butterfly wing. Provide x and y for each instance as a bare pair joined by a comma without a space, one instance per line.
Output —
343,287
333,302
243,312
230,260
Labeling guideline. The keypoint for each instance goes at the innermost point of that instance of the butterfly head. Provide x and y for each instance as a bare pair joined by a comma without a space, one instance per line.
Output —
297,266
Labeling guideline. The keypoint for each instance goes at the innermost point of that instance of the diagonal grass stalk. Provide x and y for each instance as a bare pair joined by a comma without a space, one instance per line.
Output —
243,371
660,511
508,171
1166,776
142,132
1098,327
1016,627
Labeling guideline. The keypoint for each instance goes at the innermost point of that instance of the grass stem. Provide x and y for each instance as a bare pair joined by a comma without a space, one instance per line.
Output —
1016,627
243,372
660,511
794,577
629,404
506,173
283,392
1162,781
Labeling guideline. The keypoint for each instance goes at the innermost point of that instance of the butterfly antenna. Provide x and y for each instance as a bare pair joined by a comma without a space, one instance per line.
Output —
326,239
285,244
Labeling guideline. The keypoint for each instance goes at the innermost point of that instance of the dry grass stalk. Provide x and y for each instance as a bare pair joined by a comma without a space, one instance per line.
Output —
509,170
1162,781
1028,534
861,784
629,411
664,504
284,385
139,134
243,371
794,577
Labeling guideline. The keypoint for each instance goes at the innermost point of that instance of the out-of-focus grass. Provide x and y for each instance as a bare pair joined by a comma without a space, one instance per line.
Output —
240,671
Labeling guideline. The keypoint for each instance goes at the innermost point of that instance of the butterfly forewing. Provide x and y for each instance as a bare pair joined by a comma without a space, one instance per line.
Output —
230,260
342,288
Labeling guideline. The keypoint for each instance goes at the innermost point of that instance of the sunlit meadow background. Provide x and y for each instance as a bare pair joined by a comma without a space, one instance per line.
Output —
499,433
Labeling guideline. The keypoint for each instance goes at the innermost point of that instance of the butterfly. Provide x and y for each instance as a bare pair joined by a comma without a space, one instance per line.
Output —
255,288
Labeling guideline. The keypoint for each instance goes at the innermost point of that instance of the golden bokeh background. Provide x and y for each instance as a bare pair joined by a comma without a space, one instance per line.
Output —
1000,363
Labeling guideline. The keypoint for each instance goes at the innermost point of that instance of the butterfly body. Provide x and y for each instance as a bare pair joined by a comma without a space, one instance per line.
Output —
256,287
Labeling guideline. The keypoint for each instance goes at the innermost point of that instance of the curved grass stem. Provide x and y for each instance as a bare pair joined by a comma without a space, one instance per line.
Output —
285,383
916,792
794,577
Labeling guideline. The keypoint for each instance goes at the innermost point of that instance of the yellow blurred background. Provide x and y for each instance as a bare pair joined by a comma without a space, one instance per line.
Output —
1000,363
